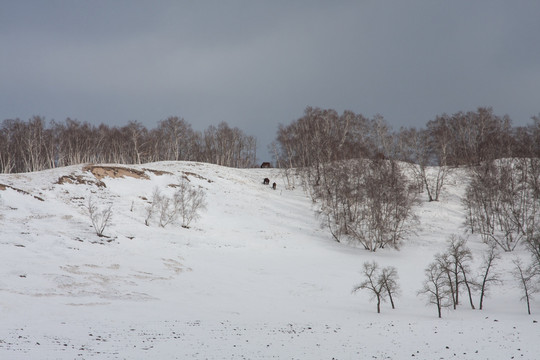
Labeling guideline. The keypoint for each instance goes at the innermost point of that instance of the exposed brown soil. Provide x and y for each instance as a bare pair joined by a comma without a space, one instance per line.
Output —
158,172
72,179
114,172
189,173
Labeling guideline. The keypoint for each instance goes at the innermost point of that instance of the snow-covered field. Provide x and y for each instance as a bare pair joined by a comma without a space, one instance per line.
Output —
255,278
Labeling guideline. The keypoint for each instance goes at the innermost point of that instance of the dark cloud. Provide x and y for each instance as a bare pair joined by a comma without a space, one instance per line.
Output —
257,64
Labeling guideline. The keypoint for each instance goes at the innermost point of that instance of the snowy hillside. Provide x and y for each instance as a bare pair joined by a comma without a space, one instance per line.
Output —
254,278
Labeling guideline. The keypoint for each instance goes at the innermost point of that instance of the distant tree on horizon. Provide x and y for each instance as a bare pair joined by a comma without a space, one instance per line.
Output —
34,145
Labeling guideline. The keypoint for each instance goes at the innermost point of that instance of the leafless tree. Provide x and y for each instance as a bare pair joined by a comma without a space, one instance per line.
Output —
437,139
460,256
153,206
341,196
174,139
135,136
488,276
444,262
162,207
534,131
190,202
387,210
288,172
455,264
78,143
435,287
371,283
386,214
533,220
9,153
378,282
167,211
526,276
389,279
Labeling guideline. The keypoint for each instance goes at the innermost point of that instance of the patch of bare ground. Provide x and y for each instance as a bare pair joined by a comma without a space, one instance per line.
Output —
77,179
189,173
4,187
114,172
158,172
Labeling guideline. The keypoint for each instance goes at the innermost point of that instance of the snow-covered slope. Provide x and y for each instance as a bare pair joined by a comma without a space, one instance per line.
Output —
255,277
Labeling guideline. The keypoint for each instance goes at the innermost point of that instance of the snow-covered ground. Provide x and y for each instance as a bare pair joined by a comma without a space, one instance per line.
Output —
255,278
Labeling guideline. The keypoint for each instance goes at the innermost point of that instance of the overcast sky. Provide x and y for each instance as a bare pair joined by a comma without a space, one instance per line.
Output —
255,64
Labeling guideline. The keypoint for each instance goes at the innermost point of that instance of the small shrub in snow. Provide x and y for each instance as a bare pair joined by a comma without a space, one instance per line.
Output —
167,211
185,205
100,217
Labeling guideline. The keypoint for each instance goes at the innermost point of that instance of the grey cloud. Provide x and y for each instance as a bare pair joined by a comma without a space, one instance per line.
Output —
257,64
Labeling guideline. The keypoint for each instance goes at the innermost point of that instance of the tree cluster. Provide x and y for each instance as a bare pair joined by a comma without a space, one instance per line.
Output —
345,163
469,138
503,203
348,163
463,138
36,145
447,277
322,136
366,202
450,273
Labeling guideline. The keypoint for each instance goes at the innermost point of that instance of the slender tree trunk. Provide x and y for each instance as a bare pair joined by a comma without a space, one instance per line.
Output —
452,290
482,292
391,298
469,291
456,273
